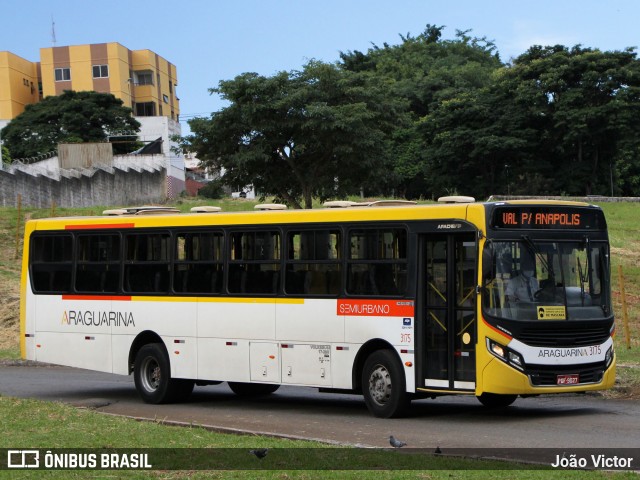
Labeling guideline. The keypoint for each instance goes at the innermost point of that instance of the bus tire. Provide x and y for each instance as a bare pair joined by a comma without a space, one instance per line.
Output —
252,389
495,400
384,385
152,376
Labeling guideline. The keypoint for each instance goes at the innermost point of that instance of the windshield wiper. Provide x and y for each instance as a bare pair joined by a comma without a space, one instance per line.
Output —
582,276
533,248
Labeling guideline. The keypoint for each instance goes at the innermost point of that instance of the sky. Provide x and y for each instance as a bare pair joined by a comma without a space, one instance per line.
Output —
214,40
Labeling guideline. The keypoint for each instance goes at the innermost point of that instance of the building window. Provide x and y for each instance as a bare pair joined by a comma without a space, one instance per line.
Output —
100,71
62,74
143,78
146,109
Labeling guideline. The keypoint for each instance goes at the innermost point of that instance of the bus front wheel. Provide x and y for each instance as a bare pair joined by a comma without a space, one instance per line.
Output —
494,400
383,385
152,377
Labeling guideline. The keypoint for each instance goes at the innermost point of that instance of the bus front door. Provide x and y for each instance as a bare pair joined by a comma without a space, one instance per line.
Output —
448,295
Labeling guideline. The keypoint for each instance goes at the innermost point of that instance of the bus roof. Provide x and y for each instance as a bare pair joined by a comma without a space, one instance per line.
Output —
439,211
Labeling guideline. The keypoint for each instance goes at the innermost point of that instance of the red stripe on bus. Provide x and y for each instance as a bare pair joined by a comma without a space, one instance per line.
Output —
122,298
99,226
375,308
504,334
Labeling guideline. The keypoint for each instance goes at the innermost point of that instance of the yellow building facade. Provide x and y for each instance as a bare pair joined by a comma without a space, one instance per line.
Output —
18,84
142,79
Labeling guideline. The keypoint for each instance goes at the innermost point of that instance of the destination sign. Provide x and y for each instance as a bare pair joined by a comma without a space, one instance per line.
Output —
547,217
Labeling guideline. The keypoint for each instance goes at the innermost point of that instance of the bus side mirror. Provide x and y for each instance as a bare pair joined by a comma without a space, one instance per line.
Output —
487,263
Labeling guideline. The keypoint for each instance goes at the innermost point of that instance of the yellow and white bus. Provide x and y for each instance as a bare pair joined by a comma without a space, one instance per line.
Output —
394,302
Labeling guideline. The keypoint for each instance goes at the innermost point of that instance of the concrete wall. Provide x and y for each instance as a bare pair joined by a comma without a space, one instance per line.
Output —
84,155
99,187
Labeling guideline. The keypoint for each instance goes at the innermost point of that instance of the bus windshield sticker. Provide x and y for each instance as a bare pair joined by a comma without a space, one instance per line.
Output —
552,312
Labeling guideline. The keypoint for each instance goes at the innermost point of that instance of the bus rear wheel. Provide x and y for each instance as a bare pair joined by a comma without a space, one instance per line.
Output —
252,389
495,400
152,377
384,386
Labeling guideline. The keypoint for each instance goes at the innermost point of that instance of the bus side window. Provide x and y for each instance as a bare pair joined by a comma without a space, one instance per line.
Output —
198,262
313,262
254,263
97,263
51,263
147,263
377,263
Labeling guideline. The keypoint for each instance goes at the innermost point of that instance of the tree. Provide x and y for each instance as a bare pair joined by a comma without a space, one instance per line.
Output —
557,120
590,102
6,156
319,132
426,71
473,143
70,117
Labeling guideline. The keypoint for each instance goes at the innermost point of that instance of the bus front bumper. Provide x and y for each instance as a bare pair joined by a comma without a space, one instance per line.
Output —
498,377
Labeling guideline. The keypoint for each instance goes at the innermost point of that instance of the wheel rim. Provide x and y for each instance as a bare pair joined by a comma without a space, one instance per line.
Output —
380,385
151,374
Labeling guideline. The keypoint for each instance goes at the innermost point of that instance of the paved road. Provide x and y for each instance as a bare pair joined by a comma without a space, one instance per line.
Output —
556,421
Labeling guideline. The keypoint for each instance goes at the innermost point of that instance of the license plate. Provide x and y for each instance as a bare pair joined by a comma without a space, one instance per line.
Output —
571,379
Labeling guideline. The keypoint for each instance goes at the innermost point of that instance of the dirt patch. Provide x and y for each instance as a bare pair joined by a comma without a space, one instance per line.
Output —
10,265
9,314
9,326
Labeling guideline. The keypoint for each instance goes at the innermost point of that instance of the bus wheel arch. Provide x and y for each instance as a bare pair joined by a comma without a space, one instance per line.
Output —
382,380
361,357
143,338
149,360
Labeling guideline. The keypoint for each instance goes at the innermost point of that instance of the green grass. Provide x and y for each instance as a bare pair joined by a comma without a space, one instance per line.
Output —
622,220
45,425
9,354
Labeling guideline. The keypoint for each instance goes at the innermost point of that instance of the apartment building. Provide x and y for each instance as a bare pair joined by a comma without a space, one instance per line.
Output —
19,85
142,79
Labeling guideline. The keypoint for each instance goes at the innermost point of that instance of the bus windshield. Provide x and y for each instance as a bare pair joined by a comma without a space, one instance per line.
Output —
533,280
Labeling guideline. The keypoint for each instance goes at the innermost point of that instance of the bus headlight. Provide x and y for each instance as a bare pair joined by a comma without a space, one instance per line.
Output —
505,354
496,349
516,360
608,358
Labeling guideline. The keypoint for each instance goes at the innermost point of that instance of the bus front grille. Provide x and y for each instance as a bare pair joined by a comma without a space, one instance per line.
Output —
564,335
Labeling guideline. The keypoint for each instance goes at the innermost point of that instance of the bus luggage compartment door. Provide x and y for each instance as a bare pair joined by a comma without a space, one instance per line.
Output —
264,362
306,364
